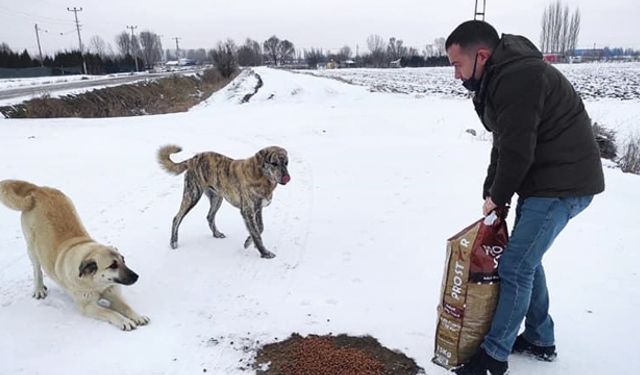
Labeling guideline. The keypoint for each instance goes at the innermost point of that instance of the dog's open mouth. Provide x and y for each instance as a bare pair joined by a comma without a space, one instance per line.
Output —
285,179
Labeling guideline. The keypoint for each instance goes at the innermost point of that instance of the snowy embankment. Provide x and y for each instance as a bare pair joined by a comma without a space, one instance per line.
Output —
379,182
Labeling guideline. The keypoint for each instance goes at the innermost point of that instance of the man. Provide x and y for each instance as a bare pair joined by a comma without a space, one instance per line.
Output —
543,150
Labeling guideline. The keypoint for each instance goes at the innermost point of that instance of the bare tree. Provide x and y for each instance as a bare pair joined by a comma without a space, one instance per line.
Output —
314,56
98,46
395,49
225,58
428,50
344,53
151,48
198,55
376,46
375,43
123,41
438,47
559,30
574,31
286,51
250,53
271,48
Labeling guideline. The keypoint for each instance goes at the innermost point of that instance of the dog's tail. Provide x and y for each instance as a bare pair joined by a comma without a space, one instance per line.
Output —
17,195
167,164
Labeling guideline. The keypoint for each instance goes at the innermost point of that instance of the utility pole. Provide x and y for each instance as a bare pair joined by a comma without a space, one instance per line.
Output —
39,48
132,38
478,12
177,47
161,49
75,12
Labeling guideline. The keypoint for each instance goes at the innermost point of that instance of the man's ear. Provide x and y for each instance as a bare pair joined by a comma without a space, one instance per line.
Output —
87,267
483,55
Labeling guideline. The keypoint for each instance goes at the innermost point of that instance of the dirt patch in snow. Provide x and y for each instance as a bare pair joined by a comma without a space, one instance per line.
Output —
330,355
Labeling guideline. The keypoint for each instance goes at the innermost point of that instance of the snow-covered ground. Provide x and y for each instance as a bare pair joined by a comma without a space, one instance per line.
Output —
379,182
592,81
11,83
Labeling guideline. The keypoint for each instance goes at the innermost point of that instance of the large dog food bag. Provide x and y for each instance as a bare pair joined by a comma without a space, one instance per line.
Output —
470,288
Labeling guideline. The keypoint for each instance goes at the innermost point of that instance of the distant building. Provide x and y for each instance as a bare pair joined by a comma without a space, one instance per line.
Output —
347,64
554,58
180,62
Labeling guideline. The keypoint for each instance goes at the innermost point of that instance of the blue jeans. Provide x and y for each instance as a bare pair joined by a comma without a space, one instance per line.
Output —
523,287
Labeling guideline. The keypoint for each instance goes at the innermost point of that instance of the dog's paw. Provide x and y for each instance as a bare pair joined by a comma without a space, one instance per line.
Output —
125,324
218,234
40,293
248,242
141,320
173,244
267,254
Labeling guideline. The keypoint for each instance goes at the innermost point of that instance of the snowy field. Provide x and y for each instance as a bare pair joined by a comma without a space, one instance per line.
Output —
379,182
592,81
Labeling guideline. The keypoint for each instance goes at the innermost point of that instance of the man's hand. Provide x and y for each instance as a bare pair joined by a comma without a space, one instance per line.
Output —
488,206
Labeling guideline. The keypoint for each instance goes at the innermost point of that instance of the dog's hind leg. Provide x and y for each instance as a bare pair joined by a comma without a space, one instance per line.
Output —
39,289
250,220
215,201
191,196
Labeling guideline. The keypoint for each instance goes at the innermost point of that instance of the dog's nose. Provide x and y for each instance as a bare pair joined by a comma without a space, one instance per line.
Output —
130,278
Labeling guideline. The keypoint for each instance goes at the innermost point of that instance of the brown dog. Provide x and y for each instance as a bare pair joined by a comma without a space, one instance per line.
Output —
247,184
57,242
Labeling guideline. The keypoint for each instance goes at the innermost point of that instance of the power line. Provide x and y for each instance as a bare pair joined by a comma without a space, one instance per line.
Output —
43,19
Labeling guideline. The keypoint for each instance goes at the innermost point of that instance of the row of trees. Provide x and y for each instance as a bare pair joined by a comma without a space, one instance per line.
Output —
64,60
227,56
146,45
147,49
560,30
380,53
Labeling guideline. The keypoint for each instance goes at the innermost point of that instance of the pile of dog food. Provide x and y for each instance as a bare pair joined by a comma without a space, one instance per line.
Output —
331,355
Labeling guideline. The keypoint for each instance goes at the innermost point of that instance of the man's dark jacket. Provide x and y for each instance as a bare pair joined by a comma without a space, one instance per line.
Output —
543,144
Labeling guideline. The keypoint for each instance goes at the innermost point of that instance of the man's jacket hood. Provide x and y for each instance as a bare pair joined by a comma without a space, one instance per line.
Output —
513,48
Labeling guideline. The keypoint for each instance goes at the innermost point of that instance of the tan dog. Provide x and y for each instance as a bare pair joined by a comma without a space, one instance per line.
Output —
247,184
57,242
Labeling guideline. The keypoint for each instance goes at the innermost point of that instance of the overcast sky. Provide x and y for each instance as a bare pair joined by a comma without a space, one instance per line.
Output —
327,24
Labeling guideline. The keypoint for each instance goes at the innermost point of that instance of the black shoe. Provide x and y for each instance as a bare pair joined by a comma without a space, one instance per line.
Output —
542,353
480,363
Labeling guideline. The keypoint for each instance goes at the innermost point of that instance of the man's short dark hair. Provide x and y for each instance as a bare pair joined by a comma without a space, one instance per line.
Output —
473,33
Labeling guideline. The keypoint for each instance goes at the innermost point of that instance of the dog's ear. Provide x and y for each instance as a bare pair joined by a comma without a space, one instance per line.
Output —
262,155
87,267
